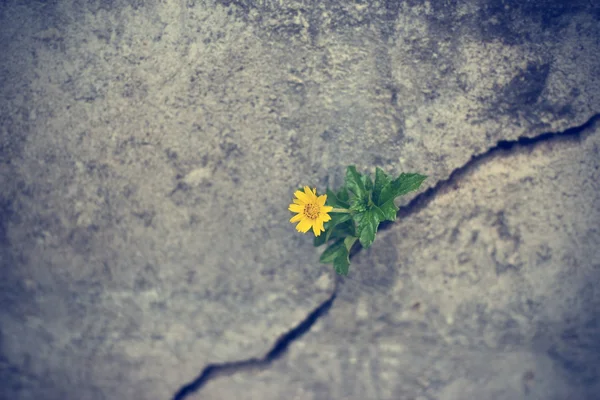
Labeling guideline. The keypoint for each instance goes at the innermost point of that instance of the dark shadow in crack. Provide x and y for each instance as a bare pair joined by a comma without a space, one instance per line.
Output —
282,344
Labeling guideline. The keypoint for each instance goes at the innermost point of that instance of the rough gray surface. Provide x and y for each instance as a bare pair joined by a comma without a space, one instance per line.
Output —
487,291
149,150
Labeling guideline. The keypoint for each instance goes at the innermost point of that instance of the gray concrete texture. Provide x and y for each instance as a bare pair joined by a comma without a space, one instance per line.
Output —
149,151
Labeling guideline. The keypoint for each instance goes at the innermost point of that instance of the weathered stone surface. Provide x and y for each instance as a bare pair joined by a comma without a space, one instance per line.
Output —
149,150
488,291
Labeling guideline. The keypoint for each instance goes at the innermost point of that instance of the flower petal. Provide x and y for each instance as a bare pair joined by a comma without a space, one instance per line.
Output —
297,208
316,229
302,196
320,221
322,199
296,218
326,209
304,225
325,217
309,193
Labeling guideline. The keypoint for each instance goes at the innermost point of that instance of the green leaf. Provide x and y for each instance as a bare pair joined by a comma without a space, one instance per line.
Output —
337,226
389,211
339,254
358,205
333,251
367,224
379,214
341,230
348,227
355,182
368,183
337,200
343,217
349,242
337,218
381,180
341,264
402,185
343,196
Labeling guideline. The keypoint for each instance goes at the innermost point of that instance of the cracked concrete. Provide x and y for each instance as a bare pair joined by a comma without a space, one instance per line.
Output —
417,324
249,368
213,371
148,151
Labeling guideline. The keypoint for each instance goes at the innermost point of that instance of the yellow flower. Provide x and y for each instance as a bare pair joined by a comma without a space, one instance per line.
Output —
312,211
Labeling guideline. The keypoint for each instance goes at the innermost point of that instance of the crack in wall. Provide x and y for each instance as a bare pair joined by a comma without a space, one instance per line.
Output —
419,202
214,370
423,199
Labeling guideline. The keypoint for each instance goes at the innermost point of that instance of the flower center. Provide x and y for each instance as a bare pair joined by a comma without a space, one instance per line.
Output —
311,211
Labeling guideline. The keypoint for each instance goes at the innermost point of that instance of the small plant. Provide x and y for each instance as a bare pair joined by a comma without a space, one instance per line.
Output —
357,208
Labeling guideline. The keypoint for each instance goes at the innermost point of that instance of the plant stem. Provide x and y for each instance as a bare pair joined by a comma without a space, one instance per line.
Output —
340,210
